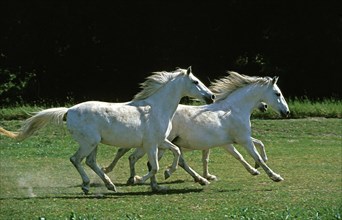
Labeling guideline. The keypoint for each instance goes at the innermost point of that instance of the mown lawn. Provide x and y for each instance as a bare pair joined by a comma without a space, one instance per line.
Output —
37,179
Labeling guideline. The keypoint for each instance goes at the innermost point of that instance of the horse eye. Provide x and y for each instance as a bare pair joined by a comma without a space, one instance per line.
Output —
195,82
278,94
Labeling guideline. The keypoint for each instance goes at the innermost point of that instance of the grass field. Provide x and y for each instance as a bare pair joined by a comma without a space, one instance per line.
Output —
300,108
38,181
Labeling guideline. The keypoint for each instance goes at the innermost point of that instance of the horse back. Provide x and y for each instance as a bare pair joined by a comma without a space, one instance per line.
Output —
116,124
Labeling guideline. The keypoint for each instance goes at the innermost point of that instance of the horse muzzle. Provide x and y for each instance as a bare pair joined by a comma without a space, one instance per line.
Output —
285,114
210,100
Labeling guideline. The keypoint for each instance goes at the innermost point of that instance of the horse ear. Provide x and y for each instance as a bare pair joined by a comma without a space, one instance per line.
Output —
275,79
188,71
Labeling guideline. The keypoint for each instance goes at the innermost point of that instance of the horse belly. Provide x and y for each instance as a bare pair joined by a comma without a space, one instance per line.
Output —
196,128
201,139
128,135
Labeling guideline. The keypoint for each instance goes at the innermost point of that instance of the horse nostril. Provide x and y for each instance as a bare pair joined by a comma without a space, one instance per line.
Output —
213,97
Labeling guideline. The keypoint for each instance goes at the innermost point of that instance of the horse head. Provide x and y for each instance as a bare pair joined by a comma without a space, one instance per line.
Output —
195,88
275,98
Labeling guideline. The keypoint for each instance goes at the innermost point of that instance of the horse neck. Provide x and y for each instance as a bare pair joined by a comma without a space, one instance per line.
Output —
245,99
166,100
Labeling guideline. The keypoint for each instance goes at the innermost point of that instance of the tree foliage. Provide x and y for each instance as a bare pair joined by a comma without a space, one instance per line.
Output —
97,50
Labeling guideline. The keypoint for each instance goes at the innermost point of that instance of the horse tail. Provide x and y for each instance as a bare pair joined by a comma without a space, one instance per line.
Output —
36,122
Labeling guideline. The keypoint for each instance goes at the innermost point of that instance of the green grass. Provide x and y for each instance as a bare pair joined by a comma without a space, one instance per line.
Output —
303,108
22,111
300,108
37,179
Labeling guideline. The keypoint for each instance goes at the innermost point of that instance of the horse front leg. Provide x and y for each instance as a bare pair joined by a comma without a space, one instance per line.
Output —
236,154
205,161
152,154
262,150
257,158
153,178
119,154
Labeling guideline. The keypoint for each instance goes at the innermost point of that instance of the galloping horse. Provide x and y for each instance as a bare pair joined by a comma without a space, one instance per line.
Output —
225,122
135,156
144,122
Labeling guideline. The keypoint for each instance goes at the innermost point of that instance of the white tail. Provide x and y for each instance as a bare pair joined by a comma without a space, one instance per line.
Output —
36,122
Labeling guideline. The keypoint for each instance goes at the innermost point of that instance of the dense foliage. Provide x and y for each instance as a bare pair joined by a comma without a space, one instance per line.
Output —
96,50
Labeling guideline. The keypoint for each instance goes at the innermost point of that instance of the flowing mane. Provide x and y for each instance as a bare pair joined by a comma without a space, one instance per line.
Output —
156,81
227,85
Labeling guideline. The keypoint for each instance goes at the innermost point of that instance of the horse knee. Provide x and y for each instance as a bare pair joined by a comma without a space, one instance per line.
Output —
90,161
73,160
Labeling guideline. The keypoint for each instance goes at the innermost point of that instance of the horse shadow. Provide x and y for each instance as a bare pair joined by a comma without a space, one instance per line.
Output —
108,195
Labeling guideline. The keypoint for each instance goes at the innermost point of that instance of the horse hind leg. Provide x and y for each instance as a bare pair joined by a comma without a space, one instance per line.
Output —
119,154
257,158
133,158
91,162
193,173
88,144
261,147
76,160
176,155
205,161
235,153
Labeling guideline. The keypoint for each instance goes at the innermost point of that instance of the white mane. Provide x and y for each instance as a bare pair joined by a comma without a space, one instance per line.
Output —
227,85
154,82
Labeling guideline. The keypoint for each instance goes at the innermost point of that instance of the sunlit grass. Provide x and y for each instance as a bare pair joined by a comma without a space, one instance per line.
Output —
37,179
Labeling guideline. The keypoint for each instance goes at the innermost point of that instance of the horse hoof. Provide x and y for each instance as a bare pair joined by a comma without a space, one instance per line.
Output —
85,187
85,190
211,177
111,187
255,172
137,180
130,181
202,181
167,174
277,178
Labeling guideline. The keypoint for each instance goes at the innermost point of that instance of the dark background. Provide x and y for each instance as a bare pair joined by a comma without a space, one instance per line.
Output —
102,50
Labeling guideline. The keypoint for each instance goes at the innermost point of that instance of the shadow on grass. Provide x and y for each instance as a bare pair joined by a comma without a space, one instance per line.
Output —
108,195
101,184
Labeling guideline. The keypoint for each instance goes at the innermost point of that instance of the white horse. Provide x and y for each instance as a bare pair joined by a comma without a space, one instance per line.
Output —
225,122
133,158
144,122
